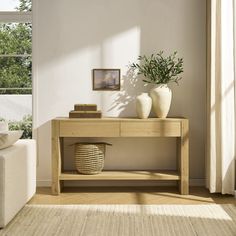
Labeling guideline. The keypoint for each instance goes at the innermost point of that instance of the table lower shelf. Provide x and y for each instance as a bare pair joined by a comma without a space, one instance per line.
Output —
122,175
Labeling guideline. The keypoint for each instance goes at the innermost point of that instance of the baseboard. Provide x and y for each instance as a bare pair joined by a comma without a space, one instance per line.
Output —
197,182
192,182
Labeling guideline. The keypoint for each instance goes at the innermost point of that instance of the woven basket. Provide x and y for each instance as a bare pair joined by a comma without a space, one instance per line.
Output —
89,157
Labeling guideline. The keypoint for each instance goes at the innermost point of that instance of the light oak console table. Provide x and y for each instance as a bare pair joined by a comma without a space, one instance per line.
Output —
121,127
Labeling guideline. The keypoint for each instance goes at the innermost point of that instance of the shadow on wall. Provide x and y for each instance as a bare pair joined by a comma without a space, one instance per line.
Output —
132,86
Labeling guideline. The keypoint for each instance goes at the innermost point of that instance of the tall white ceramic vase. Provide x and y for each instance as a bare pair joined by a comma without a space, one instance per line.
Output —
161,99
143,105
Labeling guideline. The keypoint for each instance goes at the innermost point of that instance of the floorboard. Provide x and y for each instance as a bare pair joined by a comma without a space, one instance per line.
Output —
129,195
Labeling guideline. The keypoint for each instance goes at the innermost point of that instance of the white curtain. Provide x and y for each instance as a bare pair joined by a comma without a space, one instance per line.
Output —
221,98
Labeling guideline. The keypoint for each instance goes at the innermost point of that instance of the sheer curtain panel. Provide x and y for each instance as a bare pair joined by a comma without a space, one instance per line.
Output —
221,98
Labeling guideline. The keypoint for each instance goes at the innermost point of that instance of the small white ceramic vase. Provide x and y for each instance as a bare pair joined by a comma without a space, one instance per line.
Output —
161,99
143,105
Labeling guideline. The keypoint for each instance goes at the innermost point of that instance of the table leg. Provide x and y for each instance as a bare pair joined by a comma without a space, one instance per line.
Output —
183,158
56,158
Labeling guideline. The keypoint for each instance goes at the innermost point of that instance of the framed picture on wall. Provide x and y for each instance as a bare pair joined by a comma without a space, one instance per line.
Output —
106,79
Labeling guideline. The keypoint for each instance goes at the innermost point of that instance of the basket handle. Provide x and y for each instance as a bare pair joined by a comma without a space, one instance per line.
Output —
109,144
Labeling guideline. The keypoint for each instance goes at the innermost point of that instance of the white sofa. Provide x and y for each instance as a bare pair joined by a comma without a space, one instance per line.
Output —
17,178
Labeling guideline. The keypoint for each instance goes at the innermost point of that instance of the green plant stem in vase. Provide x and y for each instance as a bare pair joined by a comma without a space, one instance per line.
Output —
160,70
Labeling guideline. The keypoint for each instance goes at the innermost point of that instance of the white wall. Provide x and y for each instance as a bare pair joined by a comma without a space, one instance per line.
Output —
71,37
14,107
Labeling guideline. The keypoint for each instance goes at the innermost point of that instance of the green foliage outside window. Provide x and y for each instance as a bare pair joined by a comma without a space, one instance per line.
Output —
15,55
24,124
25,5
15,73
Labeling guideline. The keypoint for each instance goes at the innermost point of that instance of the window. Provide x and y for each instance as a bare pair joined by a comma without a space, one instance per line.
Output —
16,64
15,58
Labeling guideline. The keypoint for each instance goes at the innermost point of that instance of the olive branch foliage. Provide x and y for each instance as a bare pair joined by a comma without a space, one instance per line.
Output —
158,69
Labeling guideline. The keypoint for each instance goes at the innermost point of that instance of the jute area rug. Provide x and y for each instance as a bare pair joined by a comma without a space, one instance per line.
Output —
122,220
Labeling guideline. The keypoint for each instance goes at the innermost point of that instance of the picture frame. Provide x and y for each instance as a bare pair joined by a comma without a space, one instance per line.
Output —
106,79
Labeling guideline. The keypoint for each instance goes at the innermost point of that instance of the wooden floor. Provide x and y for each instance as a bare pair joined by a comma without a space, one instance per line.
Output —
130,195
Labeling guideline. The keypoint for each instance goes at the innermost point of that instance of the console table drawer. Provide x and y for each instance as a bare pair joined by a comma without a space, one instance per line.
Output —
89,129
150,129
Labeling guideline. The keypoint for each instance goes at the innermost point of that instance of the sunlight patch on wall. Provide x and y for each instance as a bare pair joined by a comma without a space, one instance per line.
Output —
122,47
117,52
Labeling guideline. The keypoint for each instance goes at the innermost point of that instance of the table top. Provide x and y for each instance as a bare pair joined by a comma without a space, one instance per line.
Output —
111,119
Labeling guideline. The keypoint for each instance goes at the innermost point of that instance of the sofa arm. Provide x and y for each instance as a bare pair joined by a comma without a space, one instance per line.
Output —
17,178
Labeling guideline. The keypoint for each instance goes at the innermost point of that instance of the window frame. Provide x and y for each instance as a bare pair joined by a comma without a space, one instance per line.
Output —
15,17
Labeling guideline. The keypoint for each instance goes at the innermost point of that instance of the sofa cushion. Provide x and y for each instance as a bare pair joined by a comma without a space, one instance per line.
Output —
3,126
7,138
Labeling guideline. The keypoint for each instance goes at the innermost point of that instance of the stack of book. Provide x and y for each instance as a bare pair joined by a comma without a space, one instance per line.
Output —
85,111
